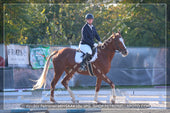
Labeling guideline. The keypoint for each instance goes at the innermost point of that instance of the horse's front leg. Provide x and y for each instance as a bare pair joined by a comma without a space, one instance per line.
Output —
98,84
106,79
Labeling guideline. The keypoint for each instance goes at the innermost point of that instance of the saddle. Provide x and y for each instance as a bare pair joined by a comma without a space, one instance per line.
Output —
79,57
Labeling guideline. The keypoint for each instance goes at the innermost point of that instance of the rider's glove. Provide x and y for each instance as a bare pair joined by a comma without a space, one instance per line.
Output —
100,43
95,44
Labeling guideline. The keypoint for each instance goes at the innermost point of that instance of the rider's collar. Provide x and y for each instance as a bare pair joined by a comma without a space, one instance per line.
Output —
90,26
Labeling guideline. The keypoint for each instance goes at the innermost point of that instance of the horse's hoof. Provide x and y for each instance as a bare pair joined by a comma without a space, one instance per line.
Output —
74,101
52,100
97,102
113,101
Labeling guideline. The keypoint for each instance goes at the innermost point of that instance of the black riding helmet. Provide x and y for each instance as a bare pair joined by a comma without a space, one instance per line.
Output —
89,16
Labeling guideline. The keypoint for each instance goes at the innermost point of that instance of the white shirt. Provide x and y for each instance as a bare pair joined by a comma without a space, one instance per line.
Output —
90,26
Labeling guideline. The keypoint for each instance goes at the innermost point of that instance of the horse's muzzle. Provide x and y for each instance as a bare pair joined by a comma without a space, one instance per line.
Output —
124,53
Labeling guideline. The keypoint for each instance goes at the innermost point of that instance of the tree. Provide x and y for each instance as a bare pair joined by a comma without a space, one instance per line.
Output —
61,23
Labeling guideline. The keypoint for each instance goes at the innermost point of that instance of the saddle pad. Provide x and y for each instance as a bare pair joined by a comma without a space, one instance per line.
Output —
79,57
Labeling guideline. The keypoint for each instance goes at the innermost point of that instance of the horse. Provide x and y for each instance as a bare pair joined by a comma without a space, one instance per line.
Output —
63,60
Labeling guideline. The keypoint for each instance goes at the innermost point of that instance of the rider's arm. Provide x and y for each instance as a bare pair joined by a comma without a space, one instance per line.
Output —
96,35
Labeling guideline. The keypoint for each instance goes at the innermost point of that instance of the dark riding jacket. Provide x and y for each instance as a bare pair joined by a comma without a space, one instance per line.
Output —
88,35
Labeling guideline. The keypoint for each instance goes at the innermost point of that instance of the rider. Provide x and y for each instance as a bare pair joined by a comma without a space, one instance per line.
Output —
88,32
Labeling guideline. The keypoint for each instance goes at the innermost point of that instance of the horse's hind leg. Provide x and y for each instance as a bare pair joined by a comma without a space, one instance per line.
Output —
58,72
65,84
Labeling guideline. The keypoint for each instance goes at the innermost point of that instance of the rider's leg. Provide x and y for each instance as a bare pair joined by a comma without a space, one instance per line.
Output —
85,60
85,48
88,52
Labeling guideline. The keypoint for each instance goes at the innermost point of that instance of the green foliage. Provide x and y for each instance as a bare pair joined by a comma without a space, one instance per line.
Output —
147,26
60,24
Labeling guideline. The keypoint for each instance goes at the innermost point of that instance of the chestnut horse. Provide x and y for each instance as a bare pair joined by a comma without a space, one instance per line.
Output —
64,60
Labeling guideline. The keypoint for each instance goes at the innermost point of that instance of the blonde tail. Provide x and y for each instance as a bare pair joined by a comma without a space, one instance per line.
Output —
42,80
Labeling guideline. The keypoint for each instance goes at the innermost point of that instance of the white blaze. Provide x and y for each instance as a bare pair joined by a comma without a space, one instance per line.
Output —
121,40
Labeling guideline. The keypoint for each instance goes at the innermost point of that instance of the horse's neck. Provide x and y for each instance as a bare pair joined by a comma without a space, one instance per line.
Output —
109,48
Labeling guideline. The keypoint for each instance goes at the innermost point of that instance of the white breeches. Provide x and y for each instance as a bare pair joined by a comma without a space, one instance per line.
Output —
85,48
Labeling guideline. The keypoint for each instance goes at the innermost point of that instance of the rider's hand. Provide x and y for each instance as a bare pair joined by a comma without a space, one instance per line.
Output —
100,43
95,44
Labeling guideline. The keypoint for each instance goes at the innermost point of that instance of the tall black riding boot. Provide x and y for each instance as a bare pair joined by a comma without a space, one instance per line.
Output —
83,64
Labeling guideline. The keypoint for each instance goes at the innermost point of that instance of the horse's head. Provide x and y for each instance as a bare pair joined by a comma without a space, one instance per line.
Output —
120,44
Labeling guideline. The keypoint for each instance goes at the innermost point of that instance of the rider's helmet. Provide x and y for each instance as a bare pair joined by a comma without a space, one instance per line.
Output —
89,16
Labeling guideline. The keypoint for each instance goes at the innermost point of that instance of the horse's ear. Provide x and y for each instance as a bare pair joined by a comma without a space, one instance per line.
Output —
113,34
118,31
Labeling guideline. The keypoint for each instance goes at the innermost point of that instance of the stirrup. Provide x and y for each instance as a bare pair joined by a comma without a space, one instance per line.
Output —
83,68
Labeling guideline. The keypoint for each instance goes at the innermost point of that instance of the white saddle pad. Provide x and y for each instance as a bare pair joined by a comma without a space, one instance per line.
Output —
79,57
